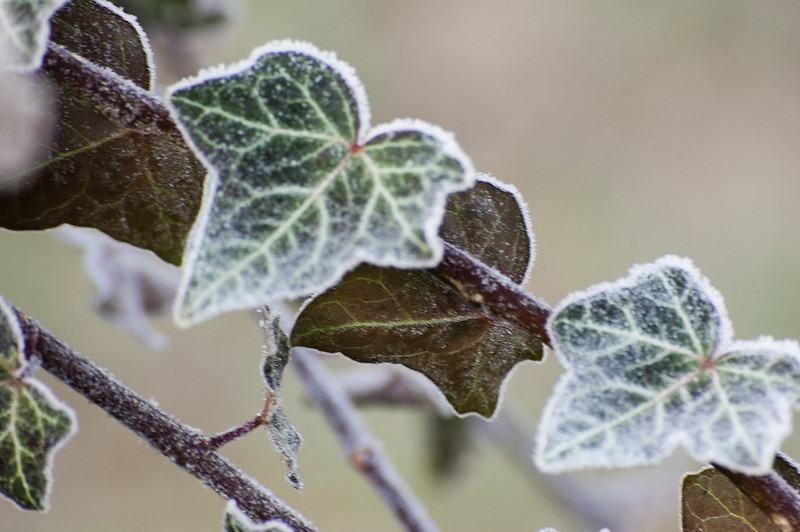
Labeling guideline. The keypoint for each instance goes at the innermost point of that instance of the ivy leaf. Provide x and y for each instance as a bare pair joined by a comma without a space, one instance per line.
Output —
236,521
651,363
302,189
490,222
24,30
429,323
717,496
285,437
139,186
34,424
711,502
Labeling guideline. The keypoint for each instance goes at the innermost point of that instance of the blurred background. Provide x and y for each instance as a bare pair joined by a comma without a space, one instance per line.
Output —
633,129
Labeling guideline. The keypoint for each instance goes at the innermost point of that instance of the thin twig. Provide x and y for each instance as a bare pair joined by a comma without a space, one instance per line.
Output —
361,449
185,446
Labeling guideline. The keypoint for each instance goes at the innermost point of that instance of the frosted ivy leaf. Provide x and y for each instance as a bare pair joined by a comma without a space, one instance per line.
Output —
24,30
301,189
651,364
236,521
34,424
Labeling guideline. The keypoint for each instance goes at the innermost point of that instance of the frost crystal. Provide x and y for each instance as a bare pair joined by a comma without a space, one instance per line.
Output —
651,363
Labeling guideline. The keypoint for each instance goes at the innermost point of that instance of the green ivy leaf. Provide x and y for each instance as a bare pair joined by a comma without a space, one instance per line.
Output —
711,502
24,30
140,187
34,424
285,437
302,189
236,521
651,363
431,324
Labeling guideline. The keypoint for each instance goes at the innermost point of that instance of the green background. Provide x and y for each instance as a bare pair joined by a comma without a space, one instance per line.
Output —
633,129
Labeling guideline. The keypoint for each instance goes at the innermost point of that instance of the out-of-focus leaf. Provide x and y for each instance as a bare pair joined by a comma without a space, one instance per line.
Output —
34,424
179,15
24,29
651,364
449,440
24,119
710,502
130,283
138,187
286,438
304,189
236,521
431,324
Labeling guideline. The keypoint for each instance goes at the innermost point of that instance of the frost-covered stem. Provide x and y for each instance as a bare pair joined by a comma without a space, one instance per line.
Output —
771,492
224,438
117,98
361,449
501,294
185,446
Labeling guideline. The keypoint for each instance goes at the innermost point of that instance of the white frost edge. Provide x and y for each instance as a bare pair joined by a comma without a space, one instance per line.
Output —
636,273
526,217
134,22
11,317
438,207
725,345
682,438
194,241
270,526
211,184
345,70
19,63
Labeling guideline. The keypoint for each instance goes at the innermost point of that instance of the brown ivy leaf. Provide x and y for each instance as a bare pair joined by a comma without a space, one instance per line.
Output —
139,187
713,502
489,222
430,324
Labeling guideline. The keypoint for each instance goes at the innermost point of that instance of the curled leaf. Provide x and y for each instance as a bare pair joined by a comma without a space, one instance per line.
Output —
284,435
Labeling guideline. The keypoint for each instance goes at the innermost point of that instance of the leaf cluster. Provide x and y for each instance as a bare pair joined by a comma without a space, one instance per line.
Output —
266,182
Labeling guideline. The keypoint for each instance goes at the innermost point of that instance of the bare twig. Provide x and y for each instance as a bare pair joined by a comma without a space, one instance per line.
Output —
185,446
361,449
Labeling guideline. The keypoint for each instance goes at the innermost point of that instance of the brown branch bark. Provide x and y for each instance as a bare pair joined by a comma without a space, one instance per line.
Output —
187,447
115,97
